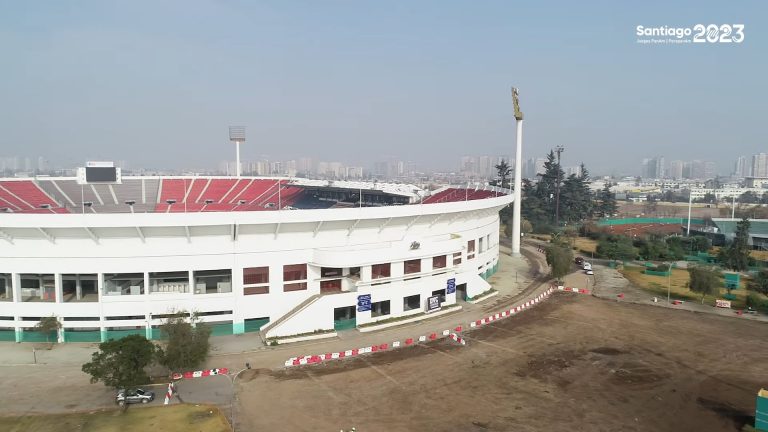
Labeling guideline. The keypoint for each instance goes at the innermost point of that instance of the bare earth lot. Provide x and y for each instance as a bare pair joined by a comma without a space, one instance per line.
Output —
573,363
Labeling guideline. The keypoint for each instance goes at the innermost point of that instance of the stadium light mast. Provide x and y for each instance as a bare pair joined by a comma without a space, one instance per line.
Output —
237,136
518,175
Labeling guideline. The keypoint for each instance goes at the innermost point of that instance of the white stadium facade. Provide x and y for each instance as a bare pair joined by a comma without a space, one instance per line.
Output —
111,256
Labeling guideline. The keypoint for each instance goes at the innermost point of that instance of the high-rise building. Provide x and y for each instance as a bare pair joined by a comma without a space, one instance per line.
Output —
699,170
675,170
760,165
305,166
742,167
533,167
653,168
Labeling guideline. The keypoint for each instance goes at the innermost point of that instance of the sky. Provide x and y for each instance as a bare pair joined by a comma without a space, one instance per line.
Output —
158,83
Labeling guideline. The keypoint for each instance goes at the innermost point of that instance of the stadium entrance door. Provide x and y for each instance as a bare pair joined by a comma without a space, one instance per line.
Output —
461,292
344,318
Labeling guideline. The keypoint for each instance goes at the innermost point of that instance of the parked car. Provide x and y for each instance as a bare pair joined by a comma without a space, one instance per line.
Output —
579,261
589,272
587,266
134,396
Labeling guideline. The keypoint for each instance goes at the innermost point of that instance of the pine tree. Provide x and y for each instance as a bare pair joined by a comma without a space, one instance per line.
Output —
736,255
607,206
548,183
503,171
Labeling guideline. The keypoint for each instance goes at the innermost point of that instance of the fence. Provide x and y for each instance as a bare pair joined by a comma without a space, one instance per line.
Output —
82,335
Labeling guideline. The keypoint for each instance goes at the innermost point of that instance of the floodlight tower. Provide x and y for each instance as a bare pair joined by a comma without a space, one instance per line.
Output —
518,175
237,135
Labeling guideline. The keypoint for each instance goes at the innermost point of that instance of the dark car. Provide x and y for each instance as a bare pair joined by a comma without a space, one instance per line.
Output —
579,261
134,396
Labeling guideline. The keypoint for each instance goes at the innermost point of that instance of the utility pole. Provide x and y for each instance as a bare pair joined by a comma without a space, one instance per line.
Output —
559,149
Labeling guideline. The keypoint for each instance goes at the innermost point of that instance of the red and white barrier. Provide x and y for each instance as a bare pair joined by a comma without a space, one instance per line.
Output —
573,290
200,373
318,358
458,339
512,311
169,393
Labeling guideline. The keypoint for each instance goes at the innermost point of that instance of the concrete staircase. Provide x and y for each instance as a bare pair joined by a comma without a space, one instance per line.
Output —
264,331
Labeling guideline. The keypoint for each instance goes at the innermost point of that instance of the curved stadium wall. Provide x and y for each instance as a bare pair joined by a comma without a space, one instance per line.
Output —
284,272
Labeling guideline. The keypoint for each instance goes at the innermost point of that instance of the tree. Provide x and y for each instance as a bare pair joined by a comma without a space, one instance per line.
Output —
700,243
503,171
48,326
576,198
759,282
559,258
708,198
525,228
548,184
606,206
736,255
748,197
187,342
704,281
120,363
617,248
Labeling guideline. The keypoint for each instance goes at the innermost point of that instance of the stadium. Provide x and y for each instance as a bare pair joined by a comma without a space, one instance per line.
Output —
112,255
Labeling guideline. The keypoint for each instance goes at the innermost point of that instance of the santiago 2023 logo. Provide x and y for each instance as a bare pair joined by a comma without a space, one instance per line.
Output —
712,33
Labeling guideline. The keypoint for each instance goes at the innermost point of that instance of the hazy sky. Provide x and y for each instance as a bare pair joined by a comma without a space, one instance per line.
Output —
157,83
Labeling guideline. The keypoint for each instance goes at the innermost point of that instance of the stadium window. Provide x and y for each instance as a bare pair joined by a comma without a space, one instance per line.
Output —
330,272
80,287
412,302
169,282
6,287
438,262
412,266
380,308
379,271
255,280
123,283
37,287
331,279
457,258
470,249
296,274
480,246
213,281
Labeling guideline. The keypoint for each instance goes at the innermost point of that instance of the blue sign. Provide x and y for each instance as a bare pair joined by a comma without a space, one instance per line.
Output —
364,303
451,288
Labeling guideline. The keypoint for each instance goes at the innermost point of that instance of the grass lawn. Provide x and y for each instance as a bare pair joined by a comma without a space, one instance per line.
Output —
657,285
584,244
172,418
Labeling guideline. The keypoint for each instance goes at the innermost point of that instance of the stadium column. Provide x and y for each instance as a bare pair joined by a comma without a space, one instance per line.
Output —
57,288
16,286
100,296
238,320
59,293
148,316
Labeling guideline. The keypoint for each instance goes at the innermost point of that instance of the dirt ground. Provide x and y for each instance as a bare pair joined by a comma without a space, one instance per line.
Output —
573,363
175,418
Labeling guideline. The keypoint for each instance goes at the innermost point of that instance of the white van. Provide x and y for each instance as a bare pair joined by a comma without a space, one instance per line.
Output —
587,266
